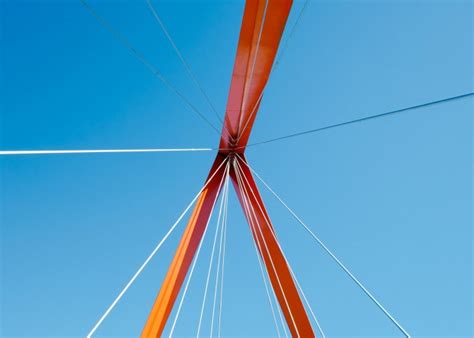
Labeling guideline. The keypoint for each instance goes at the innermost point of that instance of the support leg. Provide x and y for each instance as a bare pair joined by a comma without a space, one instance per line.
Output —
184,254
278,270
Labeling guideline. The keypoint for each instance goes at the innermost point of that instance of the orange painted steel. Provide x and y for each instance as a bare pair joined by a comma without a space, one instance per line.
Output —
262,26
275,262
184,254
263,23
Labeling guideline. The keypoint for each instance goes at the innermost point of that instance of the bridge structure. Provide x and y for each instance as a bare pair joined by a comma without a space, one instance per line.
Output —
261,31
260,34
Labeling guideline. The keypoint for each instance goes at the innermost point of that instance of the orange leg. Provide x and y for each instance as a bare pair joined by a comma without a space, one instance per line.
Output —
184,254
278,270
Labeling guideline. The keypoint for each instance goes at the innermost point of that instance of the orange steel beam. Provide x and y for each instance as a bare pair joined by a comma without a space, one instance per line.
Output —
263,23
262,26
184,254
277,267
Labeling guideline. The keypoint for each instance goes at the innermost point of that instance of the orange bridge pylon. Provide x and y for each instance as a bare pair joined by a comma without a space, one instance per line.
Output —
262,27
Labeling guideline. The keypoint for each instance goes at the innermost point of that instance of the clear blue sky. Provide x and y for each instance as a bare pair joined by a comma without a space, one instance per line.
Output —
393,197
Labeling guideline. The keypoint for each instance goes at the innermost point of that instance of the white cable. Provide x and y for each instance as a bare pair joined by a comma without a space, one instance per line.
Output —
306,300
333,256
244,190
267,291
245,96
277,63
95,151
290,35
145,61
286,260
250,116
211,259
183,296
183,60
282,321
223,261
216,283
256,243
155,250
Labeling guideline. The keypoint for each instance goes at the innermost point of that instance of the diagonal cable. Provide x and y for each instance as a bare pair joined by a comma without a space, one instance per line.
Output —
285,258
333,256
291,33
264,278
145,61
218,268
178,311
363,119
250,207
300,289
277,63
211,259
226,208
249,83
183,60
258,249
148,259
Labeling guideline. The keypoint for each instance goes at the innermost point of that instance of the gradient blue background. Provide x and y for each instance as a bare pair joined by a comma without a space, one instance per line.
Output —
392,197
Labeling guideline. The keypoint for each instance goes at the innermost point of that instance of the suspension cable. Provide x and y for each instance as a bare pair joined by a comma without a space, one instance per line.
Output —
211,259
291,33
286,259
245,196
363,119
218,268
145,61
224,229
95,151
264,278
155,250
178,311
183,60
333,256
247,86
258,247
277,63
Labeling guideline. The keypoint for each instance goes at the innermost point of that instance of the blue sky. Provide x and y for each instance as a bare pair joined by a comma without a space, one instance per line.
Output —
392,197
